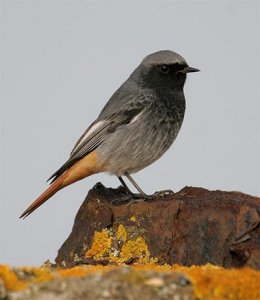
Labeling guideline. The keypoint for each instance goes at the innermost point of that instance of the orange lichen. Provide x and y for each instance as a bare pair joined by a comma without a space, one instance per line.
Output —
136,250
18,279
121,233
10,280
217,283
81,271
101,245
73,272
38,275
153,266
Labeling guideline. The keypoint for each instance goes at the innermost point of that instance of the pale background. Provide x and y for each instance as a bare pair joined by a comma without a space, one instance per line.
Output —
60,63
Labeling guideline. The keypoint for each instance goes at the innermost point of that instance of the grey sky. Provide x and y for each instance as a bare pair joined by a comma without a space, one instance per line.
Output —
62,60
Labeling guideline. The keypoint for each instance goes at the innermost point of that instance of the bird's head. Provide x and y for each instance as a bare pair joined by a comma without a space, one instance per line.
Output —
164,69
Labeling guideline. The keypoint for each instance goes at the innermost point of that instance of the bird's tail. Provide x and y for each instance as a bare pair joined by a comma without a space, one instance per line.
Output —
83,168
53,189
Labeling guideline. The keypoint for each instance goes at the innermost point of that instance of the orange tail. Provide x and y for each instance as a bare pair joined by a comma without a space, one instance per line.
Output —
53,189
83,168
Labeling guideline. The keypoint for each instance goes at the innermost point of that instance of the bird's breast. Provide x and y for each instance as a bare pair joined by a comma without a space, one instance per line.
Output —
141,142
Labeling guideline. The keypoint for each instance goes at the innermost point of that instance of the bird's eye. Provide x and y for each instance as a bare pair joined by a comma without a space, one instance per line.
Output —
164,69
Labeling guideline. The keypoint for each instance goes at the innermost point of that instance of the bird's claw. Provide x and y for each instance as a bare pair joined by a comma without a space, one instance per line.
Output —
143,197
133,198
162,194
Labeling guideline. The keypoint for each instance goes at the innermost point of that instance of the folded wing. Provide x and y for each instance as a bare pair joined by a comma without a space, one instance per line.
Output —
96,134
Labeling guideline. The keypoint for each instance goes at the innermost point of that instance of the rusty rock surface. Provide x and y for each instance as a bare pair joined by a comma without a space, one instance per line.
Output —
194,226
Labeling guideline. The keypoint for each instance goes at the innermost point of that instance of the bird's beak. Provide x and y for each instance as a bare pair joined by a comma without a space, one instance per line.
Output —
188,70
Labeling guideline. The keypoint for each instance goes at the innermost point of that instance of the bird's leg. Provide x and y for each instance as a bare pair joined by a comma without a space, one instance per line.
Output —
124,185
129,193
141,192
141,196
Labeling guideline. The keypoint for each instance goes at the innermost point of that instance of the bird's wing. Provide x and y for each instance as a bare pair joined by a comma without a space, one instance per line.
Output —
97,133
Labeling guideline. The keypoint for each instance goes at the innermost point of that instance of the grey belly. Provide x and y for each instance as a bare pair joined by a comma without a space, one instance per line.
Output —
134,146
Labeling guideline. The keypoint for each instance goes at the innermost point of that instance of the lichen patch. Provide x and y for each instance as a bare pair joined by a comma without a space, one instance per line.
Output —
101,245
121,233
119,247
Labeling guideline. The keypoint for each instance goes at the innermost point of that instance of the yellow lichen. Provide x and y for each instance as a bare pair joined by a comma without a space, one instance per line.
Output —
38,275
153,266
216,283
10,279
121,233
101,245
136,250
133,218
81,271
73,272
115,248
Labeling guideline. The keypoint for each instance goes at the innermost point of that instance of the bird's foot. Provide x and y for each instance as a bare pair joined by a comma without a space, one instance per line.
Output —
132,198
137,198
163,193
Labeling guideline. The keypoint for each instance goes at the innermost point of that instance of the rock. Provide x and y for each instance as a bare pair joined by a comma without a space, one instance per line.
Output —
128,282
119,283
194,226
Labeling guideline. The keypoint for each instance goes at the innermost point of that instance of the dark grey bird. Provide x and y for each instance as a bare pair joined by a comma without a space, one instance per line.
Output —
137,125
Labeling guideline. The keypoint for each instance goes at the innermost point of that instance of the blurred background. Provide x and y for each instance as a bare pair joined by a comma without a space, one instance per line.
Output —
62,60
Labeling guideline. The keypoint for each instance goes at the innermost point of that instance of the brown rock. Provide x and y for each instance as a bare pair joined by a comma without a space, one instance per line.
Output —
192,227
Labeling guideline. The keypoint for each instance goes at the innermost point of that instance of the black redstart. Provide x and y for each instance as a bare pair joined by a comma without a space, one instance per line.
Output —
135,128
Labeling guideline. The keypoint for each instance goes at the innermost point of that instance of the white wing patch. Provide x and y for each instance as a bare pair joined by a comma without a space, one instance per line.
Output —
136,117
91,130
